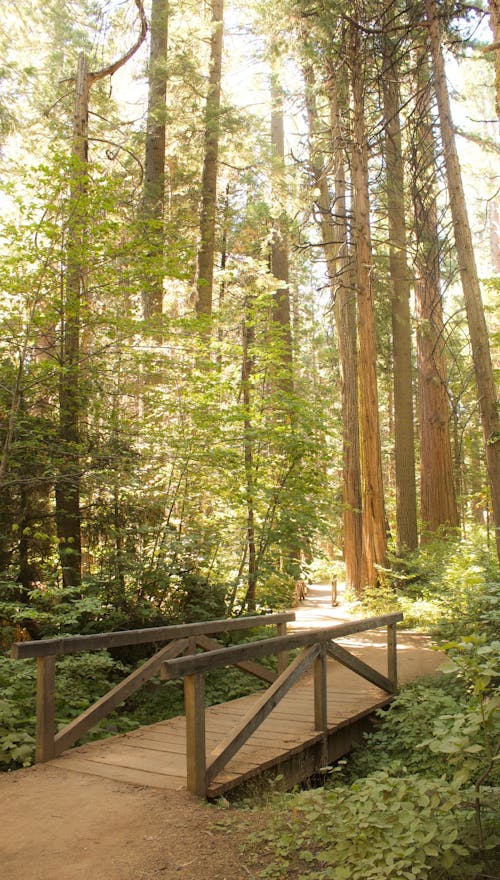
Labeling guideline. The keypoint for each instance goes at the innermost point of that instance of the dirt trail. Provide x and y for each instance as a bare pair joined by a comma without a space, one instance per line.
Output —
58,825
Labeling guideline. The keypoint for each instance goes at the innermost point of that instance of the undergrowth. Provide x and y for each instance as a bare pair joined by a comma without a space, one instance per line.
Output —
83,678
420,799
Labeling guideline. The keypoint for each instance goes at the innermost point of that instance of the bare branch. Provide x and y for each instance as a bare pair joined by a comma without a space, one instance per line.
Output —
112,68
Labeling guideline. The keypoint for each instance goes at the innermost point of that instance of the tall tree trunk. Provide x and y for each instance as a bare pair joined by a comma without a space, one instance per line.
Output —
246,378
154,170
335,248
206,251
67,489
346,321
488,404
282,378
437,496
373,510
68,481
404,439
279,241
494,7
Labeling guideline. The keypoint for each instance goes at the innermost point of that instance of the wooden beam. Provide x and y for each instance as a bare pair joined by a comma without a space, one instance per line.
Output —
95,713
100,641
250,666
321,701
265,647
45,708
283,655
320,690
194,702
360,667
392,657
264,704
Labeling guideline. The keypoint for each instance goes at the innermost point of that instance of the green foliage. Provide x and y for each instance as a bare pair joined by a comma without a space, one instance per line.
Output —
276,592
381,827
450,588
17,713
80,680
395,743
470,738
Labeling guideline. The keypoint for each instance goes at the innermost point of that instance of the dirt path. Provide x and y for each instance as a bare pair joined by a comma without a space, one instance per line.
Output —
58,825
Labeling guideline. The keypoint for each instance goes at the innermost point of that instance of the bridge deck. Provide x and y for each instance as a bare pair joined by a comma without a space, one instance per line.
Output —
156,755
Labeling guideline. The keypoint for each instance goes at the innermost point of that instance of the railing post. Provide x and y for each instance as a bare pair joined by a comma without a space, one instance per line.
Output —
321,700
283,655
196,756
45,708
392,659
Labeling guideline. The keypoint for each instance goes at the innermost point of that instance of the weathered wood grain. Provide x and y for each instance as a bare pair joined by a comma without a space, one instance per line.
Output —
45,708
264,704
249,666
356,665
95,713
196,760
392,659
100,641
265,647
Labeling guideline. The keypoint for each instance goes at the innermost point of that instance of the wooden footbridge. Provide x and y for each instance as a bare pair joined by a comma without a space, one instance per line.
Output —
314,709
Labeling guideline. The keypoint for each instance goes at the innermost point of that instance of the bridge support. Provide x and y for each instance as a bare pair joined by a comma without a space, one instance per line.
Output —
196,766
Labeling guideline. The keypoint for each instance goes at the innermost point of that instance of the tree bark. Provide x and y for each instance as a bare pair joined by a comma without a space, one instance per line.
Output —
282,378
488,404
335,248
154,170
206,251
246,377
494,7
68,481
437,497
279,241
404,439
373,511
67,489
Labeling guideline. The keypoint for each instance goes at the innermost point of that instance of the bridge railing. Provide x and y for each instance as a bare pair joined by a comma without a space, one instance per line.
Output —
180,639
317,646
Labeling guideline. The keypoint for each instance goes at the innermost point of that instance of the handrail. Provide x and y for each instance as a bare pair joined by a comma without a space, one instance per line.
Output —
180,638
179,667
120,638
317,645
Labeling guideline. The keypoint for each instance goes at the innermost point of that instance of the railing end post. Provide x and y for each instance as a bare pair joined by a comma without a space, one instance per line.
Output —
392,656
282,659
45,709
196,753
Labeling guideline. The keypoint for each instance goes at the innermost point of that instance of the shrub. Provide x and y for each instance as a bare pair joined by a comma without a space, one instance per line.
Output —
400,730
381,828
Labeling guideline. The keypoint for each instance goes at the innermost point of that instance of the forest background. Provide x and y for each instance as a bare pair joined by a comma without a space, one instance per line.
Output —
250,264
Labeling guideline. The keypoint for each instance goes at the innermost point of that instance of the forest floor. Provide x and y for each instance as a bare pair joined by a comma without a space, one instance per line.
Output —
56,824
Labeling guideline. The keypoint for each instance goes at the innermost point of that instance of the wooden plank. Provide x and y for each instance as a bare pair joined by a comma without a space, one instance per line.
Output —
260,710
144,759
100,641
249,666
95,713
360,667
45,708
121,774
254,650
196,760
171,747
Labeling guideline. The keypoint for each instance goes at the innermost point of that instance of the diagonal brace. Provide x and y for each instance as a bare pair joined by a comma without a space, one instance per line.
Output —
359,667
260,710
